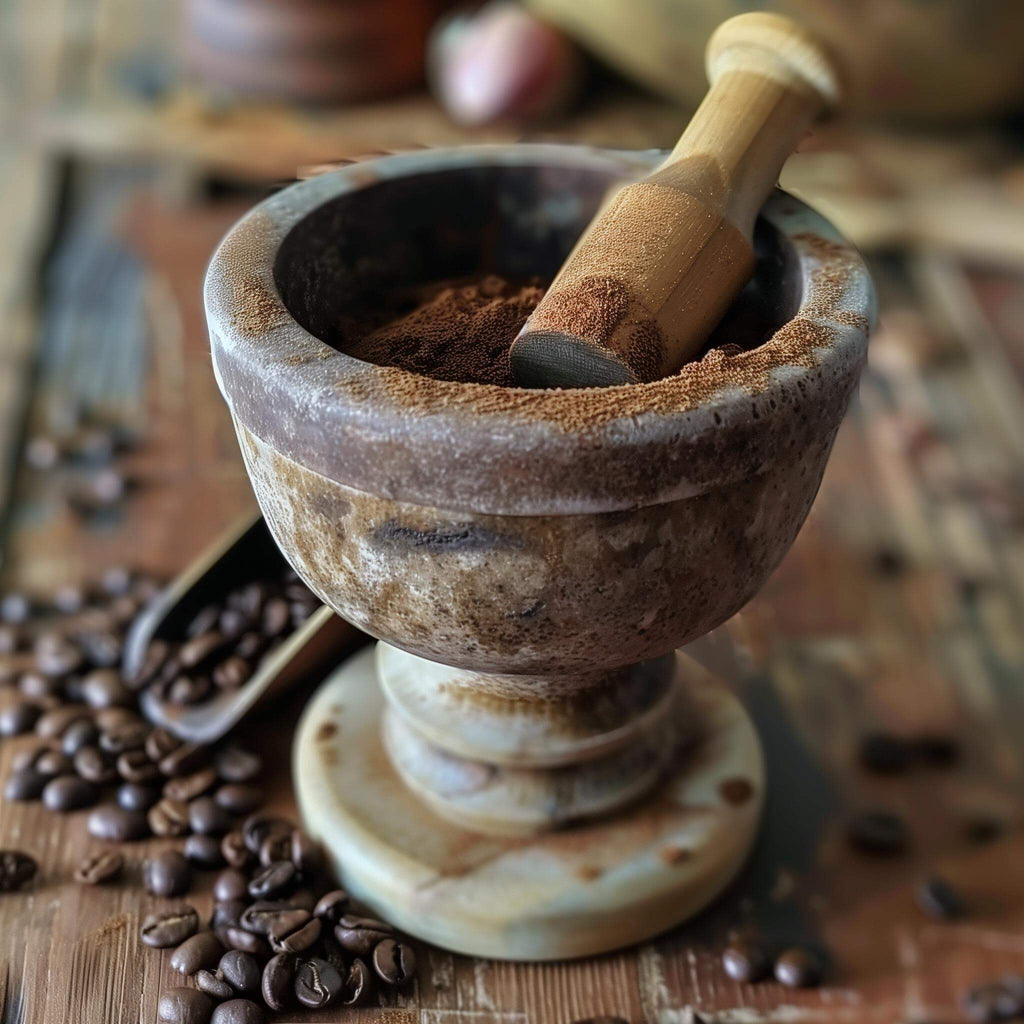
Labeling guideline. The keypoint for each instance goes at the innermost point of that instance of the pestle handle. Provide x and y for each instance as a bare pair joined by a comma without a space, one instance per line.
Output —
657,268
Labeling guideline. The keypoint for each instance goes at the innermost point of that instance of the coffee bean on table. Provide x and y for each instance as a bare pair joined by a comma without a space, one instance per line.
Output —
394,962
27,757
294,932
238,1011
112,719
278,984
54,762
159,743
55,722
745,961
94,766
879,832
188,787
359,935
170,927
102,688
167,874
306,854
69,793
230,885
259,917
105,650
168,818
798,968
317,983
134,796
184,1006
235,851
259,827
100,867
358,984
202,950
238,798
332,906
57,656
272,881
938,898
35,686
207,818
135,766
204,851
18,717
77,735
226,914
27,784
275,847
214,986
130,735
241,971
885,754
118,825
245,942
234,764
187,758
16,868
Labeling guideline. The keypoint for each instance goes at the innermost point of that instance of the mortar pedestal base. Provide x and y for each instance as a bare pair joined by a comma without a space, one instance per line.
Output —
578,890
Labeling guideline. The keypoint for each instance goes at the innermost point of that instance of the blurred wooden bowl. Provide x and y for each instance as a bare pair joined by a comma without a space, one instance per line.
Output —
941,60
311,51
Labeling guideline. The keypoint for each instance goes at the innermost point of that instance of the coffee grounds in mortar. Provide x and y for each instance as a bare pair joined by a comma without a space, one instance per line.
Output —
455,330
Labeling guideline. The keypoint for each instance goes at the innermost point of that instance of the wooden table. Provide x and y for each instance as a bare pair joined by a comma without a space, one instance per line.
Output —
899,607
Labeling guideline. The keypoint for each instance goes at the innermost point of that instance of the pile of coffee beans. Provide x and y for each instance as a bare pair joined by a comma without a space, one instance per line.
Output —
998,1000
226,641
281,935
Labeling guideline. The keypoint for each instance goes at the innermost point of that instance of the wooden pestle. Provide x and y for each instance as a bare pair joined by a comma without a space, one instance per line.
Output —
659,265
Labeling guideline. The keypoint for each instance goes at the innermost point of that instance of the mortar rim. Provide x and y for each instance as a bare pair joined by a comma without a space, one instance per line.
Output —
291,389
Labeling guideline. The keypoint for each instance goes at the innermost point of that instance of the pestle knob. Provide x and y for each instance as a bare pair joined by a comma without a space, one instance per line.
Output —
660,263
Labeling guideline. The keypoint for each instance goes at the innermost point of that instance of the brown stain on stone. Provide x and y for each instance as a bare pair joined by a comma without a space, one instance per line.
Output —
736,791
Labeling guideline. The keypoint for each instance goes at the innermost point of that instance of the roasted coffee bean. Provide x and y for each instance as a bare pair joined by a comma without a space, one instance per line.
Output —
167,874
184,1006
118,825
57,656
133,796
187,758
238,798
135,766
94,766
114,718
27,757
301,899
18,717
55,722
105,651
275,847
394,962
193,653
169,818
226,914
188,787
235,851
200,951
204,622
246,942
259,917
885,754
102,688
160,743
294,932
332,906
306,854
54,762
238,1011
745,961
250,646
100,867
230,885
69,793
879,832
36,687
358,984
232,673
207,818
278,984
234,764
186,690
77,735
15,608
214,986
317,983
170,927
272,881
204,851
249,599
16,868
995,1000
359,935
156,655
798,968
938,898
257,828
233,623
241,971
27,784
276,617
129,736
